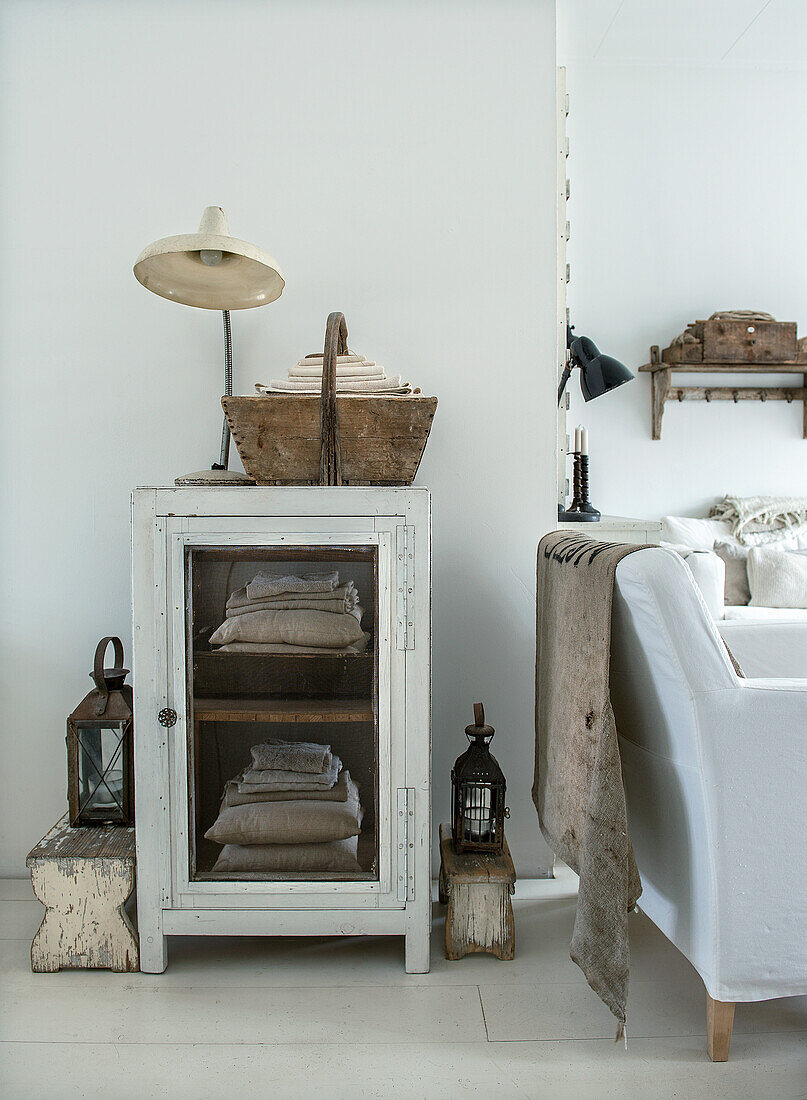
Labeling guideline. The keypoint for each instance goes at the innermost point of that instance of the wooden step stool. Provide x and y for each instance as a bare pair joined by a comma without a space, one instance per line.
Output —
477,888
83,877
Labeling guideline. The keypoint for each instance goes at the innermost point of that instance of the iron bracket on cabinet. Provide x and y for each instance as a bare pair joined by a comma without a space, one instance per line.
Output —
405,844
404,586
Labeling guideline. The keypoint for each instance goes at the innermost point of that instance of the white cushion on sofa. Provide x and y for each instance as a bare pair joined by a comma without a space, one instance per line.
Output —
767,649
709,573
751,614
700,534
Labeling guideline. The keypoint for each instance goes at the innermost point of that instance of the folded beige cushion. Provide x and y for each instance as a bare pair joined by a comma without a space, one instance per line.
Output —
233,797
294,822
338,856
736,558
281,647
301,628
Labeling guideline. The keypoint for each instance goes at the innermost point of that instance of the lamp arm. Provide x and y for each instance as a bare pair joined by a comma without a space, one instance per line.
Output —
564,378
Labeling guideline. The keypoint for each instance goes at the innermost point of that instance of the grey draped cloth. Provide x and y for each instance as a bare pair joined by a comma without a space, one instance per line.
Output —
578,789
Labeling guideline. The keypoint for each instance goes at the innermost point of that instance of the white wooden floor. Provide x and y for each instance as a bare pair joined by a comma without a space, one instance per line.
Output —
335,1019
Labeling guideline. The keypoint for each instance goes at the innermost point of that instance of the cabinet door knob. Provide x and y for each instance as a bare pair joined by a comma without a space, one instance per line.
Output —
167,717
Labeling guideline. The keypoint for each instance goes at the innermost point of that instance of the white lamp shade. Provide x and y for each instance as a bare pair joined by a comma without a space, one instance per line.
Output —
232,275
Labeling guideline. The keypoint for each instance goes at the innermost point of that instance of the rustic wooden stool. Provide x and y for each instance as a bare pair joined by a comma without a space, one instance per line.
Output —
477,888
83,878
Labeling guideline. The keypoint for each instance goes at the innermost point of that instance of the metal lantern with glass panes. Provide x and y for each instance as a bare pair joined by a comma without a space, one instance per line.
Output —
100,768
478,789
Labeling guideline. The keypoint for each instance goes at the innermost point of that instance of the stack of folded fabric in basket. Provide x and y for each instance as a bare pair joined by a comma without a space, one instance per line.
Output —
312,613
354,374
293,810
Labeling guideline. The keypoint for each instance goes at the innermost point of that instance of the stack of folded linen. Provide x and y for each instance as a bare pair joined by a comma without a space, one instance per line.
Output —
312,613
294,810
354,374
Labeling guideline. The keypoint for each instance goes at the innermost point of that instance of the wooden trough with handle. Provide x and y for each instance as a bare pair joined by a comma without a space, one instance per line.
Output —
305,439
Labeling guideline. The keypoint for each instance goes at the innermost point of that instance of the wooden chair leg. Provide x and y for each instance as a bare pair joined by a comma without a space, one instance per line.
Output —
719,1022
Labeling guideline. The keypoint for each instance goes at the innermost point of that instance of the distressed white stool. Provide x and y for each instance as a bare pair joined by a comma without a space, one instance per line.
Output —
83,877
477,886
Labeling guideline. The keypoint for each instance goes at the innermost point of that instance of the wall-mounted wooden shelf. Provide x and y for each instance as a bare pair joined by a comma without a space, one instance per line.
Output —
663,390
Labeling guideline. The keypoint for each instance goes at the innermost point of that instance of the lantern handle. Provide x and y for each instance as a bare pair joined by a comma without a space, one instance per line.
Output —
479,728
98,669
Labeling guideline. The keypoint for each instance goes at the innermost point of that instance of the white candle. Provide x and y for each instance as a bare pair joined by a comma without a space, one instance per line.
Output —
577,440
584,441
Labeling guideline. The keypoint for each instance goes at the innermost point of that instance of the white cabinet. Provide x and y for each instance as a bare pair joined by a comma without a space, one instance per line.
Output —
226,671
618,529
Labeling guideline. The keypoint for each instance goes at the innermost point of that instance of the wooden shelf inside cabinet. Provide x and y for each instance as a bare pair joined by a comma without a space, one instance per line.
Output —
282,710
662,366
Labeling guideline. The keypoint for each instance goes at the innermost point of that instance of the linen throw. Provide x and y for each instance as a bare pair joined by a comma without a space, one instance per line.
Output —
761,519
578,789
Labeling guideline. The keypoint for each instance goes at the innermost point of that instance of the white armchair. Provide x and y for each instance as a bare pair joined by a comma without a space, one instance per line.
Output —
715,771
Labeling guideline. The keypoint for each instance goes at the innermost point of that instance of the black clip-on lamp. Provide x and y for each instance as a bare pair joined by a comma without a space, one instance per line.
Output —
598,374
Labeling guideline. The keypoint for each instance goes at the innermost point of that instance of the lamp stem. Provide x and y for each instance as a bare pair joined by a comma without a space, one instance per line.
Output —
564,378
224,457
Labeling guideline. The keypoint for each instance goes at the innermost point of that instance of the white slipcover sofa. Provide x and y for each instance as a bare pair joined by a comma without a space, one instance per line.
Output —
766,641
715,771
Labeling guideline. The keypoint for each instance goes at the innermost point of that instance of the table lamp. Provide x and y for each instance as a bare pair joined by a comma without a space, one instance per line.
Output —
212,270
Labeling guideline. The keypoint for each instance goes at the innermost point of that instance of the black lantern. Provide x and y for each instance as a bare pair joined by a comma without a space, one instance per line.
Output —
100,777
478,788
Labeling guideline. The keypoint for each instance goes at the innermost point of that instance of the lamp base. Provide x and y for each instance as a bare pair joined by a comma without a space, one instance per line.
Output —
582,513
214,477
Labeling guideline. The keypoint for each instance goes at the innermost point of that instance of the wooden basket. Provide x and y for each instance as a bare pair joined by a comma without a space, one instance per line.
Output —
305,439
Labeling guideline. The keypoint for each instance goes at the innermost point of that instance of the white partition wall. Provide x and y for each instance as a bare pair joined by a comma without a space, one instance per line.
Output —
398,159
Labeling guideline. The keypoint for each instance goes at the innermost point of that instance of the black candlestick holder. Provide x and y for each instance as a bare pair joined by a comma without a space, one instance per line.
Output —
581,510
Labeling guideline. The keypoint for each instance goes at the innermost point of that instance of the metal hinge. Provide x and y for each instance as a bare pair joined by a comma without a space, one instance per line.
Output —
405,878
404,586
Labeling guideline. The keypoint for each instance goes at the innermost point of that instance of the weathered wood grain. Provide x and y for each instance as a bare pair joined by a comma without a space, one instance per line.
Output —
283,710
661,389
278,436
477,888
84,881
662,365
749,341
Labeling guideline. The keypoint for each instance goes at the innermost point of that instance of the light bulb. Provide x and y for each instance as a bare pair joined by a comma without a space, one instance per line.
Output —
211,256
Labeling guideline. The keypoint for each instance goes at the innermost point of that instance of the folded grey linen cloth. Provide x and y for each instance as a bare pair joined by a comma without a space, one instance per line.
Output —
578,789
332,607
343,598
299,650
300,628
337,793
291,756
272,584
276,779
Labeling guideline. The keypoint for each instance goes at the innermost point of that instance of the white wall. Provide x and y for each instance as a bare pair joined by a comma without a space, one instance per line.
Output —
398,160
687,196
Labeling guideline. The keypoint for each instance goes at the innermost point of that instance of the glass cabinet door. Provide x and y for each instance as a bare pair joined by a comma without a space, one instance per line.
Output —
282,673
